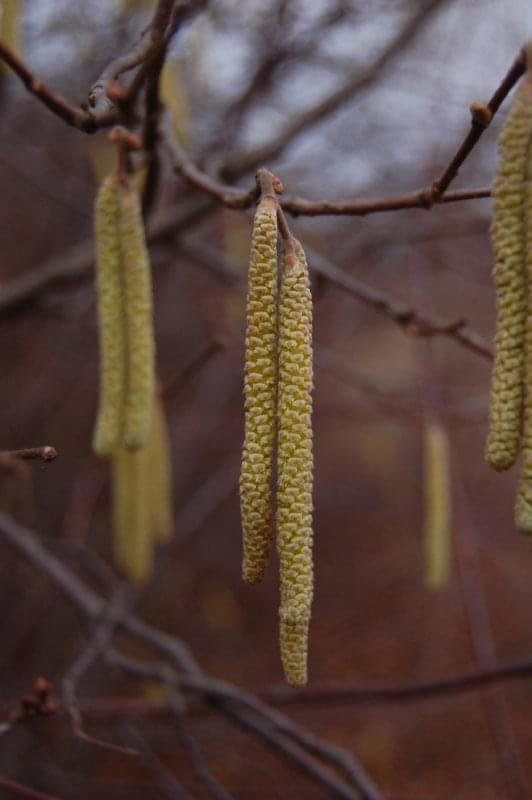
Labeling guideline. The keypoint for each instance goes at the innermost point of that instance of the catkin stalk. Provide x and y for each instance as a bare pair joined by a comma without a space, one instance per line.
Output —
437,528
295,461
508,238
260,393
111,317
139,322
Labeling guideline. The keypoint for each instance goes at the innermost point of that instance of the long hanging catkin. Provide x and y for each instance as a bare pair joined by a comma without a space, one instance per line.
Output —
508,237
139,322
437,527
111,316
295,461
260,392
523,502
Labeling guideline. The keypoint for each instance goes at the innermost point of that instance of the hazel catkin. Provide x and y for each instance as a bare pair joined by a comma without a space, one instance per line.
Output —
437,527
260,392
508,238
138,322
523,501
295,461
132,535
111,315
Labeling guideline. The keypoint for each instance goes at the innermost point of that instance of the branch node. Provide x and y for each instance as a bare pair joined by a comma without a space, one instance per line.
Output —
481,114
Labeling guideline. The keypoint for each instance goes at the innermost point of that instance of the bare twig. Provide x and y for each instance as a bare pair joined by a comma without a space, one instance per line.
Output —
358,81
441,184
21,790
191,677
96,646
150,44
411,321
45,453
235,198
72,115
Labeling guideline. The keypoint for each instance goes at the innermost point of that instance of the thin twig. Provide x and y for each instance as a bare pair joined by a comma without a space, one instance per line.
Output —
72,115
239,199
191,676
45,453
358,81
96,646
21,790
441,184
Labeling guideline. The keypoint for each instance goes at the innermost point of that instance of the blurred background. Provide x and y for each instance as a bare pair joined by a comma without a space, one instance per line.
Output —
238,76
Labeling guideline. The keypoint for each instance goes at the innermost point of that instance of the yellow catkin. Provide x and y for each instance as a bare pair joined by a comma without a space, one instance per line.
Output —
523,502
295,462
437,527
260,393
10,27
111,317
508,238
131,514
159,476
139,322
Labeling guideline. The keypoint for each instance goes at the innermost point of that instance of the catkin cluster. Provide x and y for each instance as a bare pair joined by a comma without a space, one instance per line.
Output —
278,406
510,429
130,427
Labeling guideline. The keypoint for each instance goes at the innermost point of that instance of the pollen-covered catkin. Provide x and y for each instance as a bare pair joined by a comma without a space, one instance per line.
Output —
111,315
295,461
523,501
139,322
508,238
260,393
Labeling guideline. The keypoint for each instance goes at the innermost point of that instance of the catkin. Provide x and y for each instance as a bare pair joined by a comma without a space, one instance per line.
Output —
131,514
437,527
260,393
508,237
159,476
139,322
111,317
523,502
295,462
142,501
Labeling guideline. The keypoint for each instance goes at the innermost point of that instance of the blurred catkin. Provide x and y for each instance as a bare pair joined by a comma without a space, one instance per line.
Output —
437,527
295,461
142,500
260,392
111,319
139,321
159,475
132,539
509,243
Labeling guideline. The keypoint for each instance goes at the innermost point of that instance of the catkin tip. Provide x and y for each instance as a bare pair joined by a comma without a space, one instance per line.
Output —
294,648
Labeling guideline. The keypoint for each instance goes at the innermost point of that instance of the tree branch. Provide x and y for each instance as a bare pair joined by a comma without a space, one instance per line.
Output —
358,81
232,701
231,197
45,453
72,115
